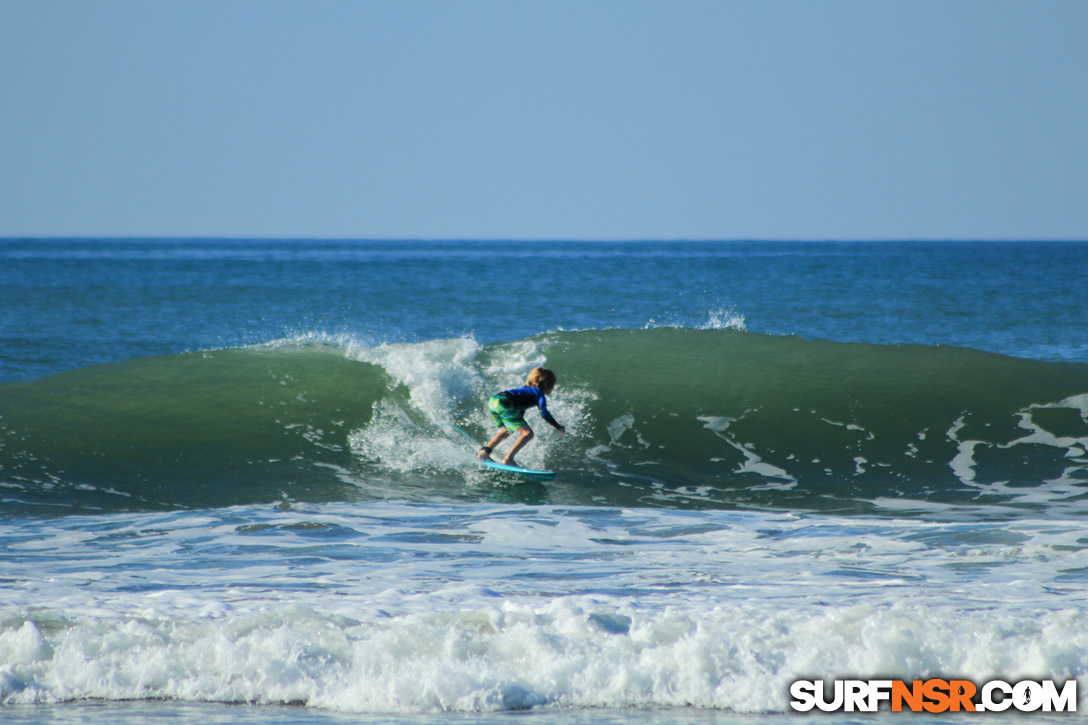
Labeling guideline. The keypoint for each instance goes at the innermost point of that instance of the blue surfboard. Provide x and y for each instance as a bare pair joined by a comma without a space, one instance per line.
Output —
527,473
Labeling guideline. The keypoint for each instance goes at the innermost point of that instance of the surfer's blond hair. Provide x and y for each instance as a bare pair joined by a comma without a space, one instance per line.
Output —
542,378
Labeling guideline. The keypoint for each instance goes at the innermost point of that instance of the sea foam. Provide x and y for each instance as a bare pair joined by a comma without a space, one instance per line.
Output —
401,608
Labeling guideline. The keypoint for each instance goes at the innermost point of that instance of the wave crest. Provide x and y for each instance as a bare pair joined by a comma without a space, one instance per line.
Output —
664,416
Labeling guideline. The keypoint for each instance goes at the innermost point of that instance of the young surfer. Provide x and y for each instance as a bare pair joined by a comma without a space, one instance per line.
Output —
508,409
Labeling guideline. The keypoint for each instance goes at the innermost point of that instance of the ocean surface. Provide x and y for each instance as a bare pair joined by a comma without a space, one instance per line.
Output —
230,493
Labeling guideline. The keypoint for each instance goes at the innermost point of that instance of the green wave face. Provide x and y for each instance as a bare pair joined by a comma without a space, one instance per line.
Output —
193,430
666,417
786,422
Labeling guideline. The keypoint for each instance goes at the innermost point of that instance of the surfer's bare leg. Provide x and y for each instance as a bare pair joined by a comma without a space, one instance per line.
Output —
525,434
485,452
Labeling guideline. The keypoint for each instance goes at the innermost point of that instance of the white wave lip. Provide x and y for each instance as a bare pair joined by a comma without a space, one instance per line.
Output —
442,377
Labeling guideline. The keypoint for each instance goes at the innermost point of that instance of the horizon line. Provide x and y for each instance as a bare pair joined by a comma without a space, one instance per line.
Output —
539,240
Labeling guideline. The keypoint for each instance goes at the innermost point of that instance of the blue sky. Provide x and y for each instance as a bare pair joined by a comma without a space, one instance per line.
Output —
545,120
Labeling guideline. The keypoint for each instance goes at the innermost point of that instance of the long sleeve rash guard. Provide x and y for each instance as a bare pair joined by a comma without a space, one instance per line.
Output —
525,398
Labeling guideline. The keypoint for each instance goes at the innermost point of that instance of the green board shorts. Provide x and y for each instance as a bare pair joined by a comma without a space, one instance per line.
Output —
504,415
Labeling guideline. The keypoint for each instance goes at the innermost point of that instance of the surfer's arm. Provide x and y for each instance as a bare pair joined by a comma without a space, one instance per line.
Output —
542,404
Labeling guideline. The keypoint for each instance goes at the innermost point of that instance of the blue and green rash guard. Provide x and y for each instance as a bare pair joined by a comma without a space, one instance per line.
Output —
524,398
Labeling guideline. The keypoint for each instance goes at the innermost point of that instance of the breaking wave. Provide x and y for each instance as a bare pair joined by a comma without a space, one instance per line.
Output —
671,417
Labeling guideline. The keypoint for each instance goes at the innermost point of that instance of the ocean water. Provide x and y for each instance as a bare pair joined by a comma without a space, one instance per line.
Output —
229,491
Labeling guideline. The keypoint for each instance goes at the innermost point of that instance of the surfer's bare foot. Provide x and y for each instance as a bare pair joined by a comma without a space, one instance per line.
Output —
484,454
509,462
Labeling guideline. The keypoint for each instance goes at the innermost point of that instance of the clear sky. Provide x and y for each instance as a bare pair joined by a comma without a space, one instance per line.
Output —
545,120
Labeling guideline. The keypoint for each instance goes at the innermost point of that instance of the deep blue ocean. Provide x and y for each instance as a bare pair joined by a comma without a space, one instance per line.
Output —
229,491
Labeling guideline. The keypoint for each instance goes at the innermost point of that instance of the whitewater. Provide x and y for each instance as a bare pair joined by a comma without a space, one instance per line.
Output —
229,493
